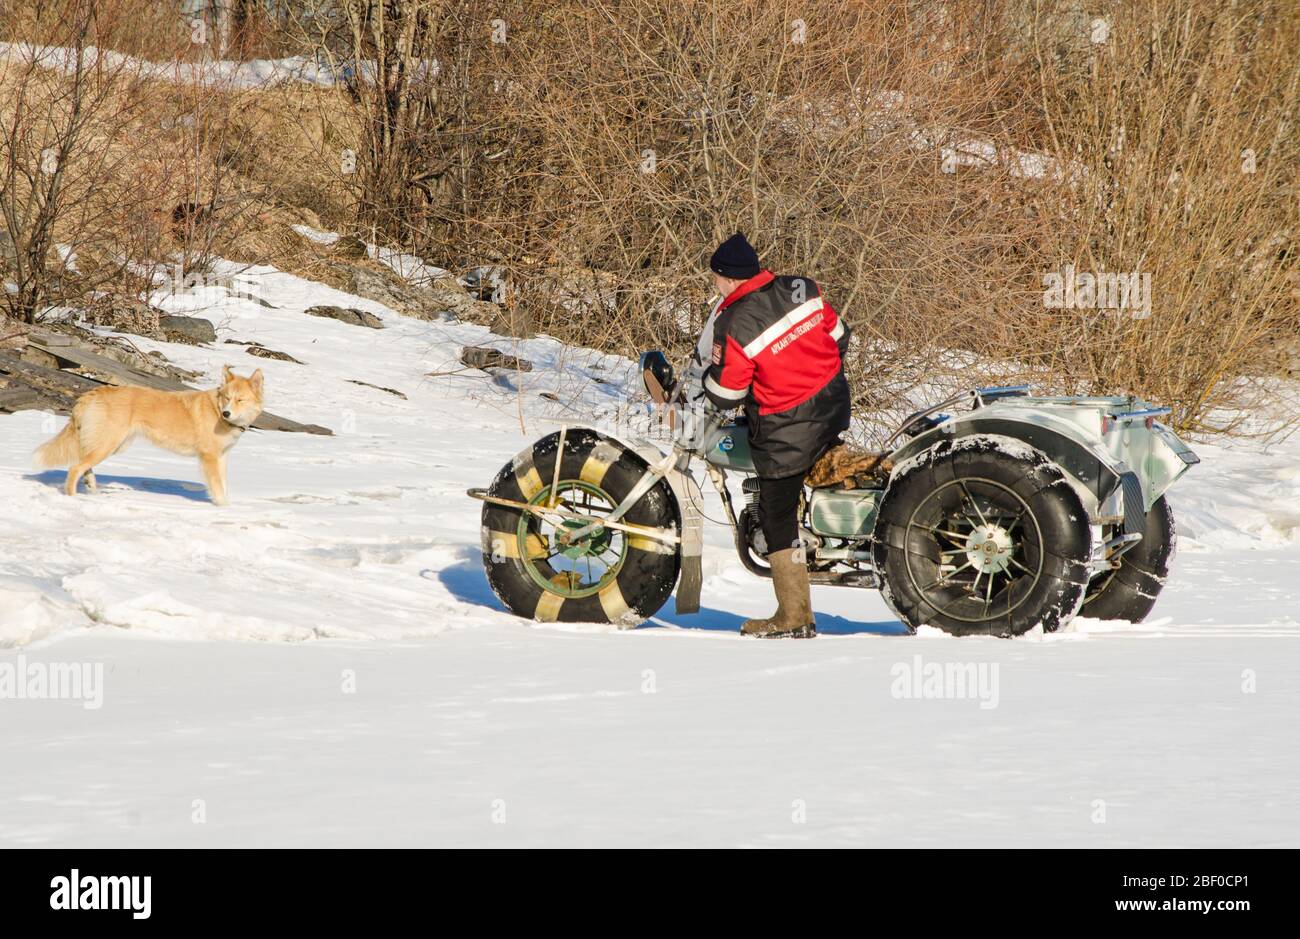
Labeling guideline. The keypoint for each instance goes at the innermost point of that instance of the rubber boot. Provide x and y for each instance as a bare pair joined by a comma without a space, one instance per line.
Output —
793,618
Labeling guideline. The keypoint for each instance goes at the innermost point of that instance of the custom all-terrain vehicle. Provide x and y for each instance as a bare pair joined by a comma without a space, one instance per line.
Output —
1011,512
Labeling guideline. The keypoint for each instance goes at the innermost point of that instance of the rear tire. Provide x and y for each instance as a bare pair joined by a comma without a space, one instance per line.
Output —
983,535
1130,591
610,577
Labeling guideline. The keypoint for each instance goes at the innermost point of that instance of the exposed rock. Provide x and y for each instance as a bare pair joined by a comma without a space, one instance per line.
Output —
128,315
262,352
482,282
119,349
254,298
349,246
386,287
23,385
187,329
125,315
39,357
442,299
483,357
13,334
383,288
350,315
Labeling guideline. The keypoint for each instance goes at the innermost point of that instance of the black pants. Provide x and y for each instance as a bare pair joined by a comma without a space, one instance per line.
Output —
778,505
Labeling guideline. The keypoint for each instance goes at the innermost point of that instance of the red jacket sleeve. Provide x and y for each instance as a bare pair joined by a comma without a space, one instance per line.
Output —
838,329
729,374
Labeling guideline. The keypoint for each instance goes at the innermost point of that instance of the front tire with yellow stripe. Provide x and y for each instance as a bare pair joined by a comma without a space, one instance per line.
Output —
611,576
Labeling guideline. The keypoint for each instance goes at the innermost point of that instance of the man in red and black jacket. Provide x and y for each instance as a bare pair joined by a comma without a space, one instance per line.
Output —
778,350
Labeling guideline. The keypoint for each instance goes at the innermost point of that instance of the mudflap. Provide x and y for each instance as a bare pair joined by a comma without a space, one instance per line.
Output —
691,580
689,584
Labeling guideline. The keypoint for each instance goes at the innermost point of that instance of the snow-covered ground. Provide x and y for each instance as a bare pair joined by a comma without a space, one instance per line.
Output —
323,662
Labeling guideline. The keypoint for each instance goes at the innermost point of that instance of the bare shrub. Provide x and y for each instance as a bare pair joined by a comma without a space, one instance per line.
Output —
115,170
1181,120
385,55
933,165
930,166
636,136
68,120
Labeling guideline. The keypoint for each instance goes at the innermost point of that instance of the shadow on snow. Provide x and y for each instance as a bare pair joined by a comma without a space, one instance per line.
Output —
195,492
466,582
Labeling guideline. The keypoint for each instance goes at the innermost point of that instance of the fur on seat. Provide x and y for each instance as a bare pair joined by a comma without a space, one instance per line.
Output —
846,468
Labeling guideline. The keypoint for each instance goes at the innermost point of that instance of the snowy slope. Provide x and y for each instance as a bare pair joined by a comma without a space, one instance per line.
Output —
380,506
676,732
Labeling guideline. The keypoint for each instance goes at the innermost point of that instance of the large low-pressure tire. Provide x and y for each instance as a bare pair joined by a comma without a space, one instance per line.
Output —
1129,592
982,535
607,577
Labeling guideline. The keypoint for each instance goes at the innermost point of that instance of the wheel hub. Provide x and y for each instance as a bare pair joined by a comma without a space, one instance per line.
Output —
554,558
980,536
989,548
595,543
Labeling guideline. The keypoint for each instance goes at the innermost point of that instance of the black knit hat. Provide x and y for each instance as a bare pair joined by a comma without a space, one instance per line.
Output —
735,258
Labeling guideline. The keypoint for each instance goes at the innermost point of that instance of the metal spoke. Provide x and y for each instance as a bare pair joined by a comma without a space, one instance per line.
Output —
946,580
951,534
1019,565
970,498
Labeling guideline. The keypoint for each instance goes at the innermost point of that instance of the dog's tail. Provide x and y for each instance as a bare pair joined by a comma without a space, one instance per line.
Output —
61,450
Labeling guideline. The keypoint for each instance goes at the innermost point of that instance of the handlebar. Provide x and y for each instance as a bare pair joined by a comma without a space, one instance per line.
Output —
696,426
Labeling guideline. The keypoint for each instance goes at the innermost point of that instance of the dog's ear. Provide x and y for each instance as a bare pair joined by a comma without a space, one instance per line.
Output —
227,373
255,380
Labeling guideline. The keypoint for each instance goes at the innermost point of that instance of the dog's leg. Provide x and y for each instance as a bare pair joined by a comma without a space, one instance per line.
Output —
221,473
214,471
92,485
85,467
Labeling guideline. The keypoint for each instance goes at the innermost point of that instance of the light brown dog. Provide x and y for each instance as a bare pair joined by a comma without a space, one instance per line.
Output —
202,423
